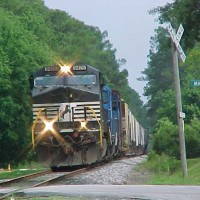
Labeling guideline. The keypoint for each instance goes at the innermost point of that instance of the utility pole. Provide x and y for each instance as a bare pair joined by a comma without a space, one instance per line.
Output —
177,50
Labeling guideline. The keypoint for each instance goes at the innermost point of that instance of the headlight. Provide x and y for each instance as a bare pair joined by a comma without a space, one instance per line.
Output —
49,125
65,69
83,125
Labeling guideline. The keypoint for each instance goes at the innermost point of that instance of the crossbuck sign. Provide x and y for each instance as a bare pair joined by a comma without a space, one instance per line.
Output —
176,37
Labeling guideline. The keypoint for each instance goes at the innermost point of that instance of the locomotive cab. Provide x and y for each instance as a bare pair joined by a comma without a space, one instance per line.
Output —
67,109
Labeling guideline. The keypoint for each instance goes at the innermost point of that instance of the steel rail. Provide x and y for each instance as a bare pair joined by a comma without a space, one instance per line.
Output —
44,183
15,180
56,179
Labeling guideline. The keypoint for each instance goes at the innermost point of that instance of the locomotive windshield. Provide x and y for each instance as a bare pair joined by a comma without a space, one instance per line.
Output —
48,81
81,80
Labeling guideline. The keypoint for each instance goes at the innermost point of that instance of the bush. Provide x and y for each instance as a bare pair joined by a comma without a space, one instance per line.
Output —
162,163
166,138
192,137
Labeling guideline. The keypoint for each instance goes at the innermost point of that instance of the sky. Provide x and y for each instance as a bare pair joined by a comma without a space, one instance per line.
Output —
129,27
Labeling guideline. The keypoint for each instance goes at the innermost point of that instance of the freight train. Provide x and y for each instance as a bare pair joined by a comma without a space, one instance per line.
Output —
78,120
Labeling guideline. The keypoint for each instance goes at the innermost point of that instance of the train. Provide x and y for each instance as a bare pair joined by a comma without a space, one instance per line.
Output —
78,119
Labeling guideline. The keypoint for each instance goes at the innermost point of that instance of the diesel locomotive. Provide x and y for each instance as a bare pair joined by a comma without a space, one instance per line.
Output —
78,120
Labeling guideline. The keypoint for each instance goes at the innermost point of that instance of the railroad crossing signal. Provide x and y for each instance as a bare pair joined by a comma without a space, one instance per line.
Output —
176,47
176,37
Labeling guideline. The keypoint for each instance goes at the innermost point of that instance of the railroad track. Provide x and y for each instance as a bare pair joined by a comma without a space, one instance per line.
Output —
35,180
23,178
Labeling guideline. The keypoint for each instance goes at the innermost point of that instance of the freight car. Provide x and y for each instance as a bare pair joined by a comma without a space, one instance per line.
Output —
77,119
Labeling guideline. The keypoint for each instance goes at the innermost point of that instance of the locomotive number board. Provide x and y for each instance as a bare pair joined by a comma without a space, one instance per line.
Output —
80,67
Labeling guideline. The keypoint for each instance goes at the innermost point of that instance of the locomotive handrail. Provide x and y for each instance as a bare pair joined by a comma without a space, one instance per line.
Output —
101,134
33,126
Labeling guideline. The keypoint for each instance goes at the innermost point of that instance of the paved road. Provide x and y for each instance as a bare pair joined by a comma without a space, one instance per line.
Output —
147,192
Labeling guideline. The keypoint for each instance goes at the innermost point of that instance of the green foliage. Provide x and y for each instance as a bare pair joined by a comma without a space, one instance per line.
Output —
166,138
165,132
192,63
167,106
162,164
187,13
21,53
20,171
160,89
177,177
158,74
192,136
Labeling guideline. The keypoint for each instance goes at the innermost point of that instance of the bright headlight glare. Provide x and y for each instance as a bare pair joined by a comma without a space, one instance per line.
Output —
65,69
83,124
48,125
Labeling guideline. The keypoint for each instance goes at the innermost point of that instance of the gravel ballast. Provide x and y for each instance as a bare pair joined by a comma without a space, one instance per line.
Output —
119,172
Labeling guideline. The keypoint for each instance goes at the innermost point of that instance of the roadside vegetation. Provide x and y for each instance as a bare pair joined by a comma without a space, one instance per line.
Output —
167,170
160,90
20,170
164,161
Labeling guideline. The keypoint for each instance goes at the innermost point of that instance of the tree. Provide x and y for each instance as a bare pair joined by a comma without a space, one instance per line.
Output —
191,94
20,54
192,132
159,74
185,12
161,102
166,138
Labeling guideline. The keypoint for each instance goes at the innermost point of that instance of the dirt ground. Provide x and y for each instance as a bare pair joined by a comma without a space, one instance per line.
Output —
138,177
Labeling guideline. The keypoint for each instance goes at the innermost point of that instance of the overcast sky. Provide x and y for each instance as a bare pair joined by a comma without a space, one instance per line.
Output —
128,24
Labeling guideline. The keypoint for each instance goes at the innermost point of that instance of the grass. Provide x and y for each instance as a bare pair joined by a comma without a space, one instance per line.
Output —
21,170
161,177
